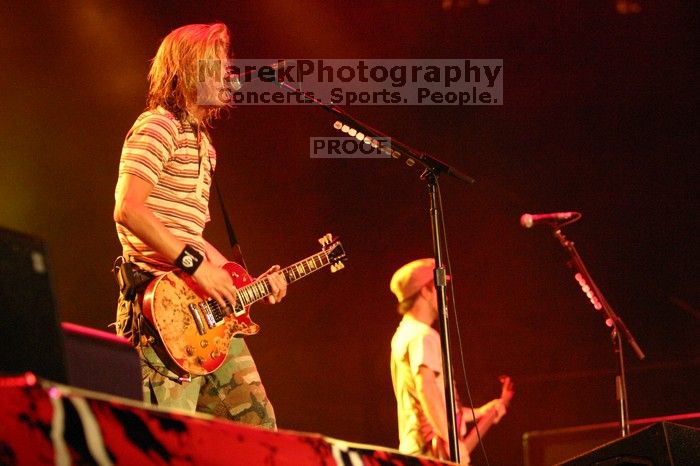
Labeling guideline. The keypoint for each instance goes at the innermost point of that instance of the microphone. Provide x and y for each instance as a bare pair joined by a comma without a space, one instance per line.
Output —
530,220
237,80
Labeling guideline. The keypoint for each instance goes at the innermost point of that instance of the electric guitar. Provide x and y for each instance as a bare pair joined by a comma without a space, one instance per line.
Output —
469,440
190,331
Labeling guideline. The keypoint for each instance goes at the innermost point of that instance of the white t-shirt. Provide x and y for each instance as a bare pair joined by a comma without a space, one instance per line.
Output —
414,344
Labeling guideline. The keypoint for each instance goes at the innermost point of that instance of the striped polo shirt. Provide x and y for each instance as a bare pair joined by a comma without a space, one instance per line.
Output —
168,154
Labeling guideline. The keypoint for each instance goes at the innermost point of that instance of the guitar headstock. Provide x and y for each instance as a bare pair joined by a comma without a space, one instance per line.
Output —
334,251
507,389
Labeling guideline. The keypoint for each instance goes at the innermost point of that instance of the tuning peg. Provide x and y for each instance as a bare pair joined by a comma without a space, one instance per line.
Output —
337,266
326,239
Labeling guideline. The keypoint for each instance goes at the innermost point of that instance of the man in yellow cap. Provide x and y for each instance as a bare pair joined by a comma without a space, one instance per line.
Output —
416,366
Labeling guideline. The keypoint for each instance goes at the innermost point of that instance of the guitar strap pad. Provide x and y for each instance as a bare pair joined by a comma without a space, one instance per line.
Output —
130,278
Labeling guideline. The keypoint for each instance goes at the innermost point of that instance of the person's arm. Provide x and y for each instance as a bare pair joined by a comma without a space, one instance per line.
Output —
431,401
494,407
131,211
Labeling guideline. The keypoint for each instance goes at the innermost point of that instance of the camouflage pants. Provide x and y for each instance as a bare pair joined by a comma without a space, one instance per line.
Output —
234,391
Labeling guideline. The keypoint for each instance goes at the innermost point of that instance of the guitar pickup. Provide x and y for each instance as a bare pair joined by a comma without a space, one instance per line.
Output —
197,319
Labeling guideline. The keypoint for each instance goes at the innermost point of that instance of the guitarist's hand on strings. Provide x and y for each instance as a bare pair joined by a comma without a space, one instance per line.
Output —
278,285
216,282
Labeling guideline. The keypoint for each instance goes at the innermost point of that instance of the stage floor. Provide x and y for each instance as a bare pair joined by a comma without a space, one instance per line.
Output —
46,423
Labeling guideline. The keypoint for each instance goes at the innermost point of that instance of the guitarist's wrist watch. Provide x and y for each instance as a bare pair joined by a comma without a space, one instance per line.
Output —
189,260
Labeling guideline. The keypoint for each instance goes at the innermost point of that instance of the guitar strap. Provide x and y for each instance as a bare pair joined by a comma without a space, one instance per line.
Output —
236,252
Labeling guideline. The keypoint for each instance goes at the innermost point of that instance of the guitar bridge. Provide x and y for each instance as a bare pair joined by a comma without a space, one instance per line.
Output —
212,314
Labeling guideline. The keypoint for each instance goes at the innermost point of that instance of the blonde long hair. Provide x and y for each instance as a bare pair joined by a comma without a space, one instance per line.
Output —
174,70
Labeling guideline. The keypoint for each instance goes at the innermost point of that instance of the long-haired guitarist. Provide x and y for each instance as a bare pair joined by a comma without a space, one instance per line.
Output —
162,196
416,368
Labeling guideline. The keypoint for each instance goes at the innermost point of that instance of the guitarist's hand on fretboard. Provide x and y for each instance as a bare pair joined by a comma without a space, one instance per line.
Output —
498,407
488,414
278,285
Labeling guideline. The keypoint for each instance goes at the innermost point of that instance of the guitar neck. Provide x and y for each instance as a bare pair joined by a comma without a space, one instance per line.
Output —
261,288
471,440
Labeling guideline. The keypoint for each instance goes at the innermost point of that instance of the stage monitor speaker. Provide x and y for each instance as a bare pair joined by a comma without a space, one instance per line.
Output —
102,362
32,339
661,444
29,330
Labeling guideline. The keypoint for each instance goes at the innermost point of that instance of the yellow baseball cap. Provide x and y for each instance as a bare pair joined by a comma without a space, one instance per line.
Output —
410,278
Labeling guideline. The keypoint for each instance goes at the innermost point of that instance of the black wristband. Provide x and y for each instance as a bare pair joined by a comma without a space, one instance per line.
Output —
189,260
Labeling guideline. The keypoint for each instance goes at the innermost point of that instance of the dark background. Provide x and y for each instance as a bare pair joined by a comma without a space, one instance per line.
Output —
598,117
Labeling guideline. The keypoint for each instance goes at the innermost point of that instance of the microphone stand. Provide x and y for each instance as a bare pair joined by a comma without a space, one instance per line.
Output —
612,320
432,169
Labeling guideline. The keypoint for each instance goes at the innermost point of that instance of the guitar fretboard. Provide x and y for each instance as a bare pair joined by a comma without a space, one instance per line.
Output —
260,289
